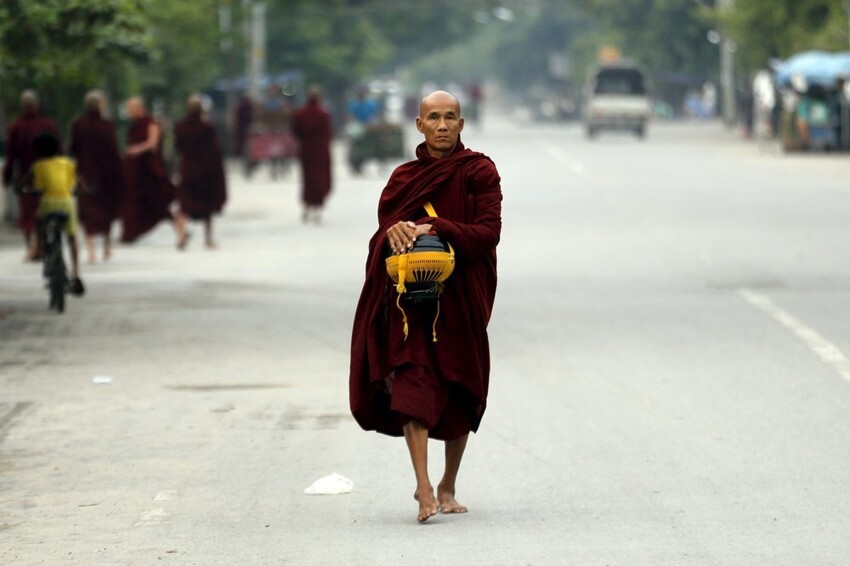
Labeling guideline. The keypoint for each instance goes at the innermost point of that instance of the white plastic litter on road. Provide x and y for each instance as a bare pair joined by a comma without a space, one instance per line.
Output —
333,484
102,379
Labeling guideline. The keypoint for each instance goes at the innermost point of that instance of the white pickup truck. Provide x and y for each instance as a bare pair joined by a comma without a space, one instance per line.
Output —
616,99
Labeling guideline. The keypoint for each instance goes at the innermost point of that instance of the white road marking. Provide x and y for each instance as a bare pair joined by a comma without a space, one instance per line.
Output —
165,495
825,350
152,517
565,159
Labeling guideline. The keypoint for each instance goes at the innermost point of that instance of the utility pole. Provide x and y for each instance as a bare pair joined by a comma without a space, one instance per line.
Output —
257,48
727,69
225,25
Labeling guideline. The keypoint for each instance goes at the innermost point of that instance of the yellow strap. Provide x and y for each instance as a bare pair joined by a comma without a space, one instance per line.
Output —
429,208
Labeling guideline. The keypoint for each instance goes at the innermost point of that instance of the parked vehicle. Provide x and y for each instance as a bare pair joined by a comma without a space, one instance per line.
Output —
616,98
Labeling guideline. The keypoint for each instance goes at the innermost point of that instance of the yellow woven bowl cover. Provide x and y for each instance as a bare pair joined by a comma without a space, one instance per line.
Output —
421,267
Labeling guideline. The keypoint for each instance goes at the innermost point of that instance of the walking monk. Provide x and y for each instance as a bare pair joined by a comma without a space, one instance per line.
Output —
20,155
202,191
406,383
95,147
311,125
149,192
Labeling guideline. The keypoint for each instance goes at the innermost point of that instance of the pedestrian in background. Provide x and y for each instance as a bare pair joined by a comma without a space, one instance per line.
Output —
243,119
20,155
403,381
149,191
311,125
202,190
94,145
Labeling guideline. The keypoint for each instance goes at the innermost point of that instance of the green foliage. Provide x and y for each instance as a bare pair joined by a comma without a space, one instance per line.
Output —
663,35
185,55
765,29
63,47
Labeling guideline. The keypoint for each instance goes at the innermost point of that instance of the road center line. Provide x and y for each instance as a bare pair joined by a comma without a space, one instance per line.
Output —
565,159
823,348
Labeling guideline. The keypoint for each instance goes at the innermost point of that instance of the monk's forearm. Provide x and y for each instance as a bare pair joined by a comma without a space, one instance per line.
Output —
471,241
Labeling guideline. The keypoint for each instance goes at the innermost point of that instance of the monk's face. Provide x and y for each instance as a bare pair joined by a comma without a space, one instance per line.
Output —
135,109
441,123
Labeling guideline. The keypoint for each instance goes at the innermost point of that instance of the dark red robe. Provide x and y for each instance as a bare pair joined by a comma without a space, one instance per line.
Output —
311,125
95,147
149,191
442,384
202,191
244,118
20,155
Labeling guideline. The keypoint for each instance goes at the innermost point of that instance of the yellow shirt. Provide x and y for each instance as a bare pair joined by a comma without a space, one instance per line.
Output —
55,177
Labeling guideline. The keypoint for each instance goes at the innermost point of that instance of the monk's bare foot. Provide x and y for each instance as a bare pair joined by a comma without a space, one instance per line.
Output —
211,245
448,503
427,503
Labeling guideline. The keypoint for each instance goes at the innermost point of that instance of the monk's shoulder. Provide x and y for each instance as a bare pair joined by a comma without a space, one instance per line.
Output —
481,173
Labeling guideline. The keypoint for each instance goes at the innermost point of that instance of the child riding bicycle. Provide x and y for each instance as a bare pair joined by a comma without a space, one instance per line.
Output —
54,177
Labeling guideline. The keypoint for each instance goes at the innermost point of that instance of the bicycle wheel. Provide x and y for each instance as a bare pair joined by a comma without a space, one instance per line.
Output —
57,295
54,265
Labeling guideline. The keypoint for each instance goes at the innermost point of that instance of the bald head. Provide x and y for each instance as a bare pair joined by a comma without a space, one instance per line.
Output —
135,107
440,99
94,101
441,123
195,104
29,101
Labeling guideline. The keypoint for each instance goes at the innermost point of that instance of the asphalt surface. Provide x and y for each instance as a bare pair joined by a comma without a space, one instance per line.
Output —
670,377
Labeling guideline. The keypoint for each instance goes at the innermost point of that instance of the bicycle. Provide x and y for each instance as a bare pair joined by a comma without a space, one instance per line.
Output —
55,271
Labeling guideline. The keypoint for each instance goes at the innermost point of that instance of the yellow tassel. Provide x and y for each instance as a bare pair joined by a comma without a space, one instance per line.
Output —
434,327
403,315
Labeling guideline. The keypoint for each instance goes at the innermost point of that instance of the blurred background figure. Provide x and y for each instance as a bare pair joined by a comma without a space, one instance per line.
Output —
474,96
202,189
243,119
94,145
363,110
149,192
20,155
271,138
311,125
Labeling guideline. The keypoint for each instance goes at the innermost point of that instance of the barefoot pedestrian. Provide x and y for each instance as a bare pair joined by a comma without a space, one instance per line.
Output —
94,145
20,155
149,191
311,125
201,191
403,381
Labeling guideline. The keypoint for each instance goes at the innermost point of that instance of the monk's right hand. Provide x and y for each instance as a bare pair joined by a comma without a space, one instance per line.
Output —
401,236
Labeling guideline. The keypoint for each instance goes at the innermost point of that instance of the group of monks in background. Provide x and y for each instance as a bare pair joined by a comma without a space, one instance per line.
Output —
134,187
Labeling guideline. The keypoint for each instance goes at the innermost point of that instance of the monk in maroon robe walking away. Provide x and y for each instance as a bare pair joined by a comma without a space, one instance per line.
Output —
94,145
20,155
414,386
311,125
201,191
149,192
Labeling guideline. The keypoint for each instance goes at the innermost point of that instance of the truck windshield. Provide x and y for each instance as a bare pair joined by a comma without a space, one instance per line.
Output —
620,81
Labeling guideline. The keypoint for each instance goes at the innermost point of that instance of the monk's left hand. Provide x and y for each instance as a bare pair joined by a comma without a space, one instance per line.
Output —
402,235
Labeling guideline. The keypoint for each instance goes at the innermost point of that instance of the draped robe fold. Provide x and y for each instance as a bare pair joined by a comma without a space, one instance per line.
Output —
149,191
202,191
442,384
94,145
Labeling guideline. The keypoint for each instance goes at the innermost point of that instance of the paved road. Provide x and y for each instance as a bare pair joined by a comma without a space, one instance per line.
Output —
670,382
